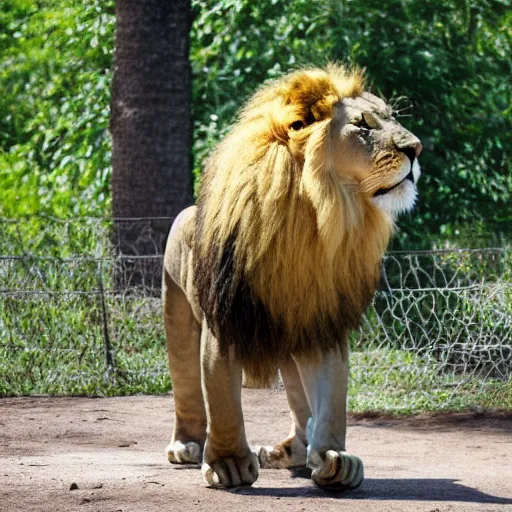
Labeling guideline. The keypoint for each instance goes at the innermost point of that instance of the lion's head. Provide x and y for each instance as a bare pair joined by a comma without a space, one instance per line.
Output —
295,211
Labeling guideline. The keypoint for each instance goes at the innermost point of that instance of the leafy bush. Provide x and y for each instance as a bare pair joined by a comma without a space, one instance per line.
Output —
56,59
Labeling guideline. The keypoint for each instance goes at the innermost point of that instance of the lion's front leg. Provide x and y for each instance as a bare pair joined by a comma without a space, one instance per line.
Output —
325,383
227,458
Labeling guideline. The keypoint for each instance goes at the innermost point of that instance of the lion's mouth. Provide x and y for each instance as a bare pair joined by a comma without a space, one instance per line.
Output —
383,191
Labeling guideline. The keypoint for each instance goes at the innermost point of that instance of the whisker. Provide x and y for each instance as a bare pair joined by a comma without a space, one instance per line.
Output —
401,105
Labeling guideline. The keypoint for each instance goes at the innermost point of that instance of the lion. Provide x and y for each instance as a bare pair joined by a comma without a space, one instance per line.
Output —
275,265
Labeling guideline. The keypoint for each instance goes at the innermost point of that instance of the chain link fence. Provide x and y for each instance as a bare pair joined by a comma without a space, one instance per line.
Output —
79,317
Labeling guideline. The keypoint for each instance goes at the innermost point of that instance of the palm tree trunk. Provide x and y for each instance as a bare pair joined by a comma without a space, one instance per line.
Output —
150,126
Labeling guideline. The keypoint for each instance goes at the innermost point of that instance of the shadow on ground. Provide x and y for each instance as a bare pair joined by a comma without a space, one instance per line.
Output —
410,489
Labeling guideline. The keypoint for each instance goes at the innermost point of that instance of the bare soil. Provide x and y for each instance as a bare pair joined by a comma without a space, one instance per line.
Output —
111,451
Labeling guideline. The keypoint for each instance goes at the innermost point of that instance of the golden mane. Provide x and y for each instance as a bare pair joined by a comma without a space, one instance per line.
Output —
286,256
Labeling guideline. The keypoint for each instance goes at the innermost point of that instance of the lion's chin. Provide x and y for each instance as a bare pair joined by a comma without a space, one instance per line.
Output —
400,199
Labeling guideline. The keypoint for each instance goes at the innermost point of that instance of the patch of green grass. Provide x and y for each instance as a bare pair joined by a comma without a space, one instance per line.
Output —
55,344
497,395
54,324
402,382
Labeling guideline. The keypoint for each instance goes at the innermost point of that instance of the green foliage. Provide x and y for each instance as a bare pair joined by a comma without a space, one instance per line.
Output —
402,382
54,107
450,58
53,343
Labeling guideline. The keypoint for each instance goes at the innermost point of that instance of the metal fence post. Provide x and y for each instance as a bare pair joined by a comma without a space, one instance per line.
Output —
109,359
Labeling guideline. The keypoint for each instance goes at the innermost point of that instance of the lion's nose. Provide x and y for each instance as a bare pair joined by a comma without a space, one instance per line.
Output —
407,143
411,150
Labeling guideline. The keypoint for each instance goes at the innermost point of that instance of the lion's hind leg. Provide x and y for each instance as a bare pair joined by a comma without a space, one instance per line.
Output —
291,452
184,453
183,346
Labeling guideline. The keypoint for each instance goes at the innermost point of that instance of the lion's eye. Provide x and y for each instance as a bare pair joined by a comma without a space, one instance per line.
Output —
362,123
297,125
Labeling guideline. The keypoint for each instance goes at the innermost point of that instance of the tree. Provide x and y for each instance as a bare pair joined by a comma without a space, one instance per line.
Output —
151,126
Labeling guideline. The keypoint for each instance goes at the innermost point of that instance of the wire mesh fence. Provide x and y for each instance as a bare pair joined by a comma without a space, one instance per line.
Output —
80,315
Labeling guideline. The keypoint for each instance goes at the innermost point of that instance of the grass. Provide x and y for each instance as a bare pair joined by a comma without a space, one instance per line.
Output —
55,346
402,382
441,340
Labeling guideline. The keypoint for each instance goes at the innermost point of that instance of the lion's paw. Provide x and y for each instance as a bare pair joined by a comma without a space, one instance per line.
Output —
291,453
232,471
183,453
262,452
337,470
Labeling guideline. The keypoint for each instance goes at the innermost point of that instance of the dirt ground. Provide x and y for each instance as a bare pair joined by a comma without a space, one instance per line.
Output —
112,450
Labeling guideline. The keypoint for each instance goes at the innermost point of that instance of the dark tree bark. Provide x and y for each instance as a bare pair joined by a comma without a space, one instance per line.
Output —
150,126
